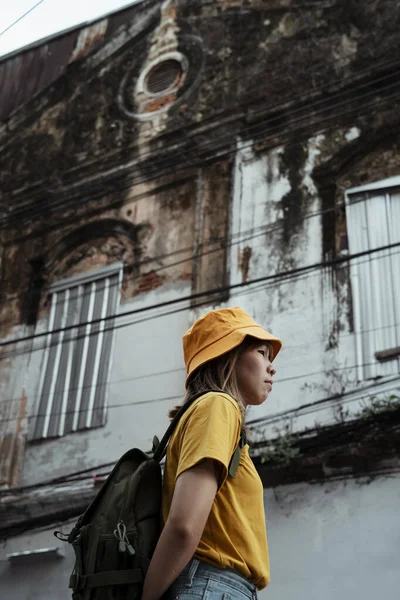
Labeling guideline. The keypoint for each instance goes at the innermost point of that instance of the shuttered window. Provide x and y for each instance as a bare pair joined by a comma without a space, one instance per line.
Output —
373,221
76,362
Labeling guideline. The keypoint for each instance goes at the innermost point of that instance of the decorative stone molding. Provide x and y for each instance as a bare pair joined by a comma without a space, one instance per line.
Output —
167,77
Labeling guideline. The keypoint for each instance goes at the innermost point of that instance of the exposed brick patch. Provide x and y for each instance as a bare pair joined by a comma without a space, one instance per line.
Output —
159,103
150,281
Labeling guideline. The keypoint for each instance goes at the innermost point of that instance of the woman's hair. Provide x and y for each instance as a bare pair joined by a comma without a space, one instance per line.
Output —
218,374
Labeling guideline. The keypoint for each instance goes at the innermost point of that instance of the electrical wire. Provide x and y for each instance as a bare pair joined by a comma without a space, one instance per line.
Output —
305,102
42,232
285,279
221,243
63,480
305,408
100,384
254,423
276,416
180,396
206,302
378,65
252,291
204,294
109,406
112,383
13,341
107,384
21,17
334,208
194,256
173,150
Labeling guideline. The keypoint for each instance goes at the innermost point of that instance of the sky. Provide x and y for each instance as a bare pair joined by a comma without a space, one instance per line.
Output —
47,18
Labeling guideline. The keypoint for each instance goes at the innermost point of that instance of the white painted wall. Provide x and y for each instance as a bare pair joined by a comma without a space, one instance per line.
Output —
327,541
334,540
35,578
147,378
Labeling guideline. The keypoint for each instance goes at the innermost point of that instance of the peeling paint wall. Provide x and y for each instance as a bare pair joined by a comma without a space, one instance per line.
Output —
273,212
234,173
154,235
284,219
265,209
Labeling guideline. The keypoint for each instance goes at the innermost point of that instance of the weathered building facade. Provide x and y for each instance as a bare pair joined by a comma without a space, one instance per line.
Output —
177,156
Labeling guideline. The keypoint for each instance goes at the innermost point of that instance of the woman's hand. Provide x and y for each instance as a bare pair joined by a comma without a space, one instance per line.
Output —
193,497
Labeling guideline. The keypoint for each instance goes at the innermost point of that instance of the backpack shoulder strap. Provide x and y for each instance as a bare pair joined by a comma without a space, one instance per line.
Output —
235,460
161,448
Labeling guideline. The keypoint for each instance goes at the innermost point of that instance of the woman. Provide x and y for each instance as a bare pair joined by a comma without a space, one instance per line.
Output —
214,536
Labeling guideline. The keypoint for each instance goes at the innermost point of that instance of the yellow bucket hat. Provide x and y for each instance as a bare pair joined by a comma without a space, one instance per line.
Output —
219,331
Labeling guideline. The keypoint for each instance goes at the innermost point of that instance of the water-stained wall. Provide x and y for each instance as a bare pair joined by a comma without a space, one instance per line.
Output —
206,146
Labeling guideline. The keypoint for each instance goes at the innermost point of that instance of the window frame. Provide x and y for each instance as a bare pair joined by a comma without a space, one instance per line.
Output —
40,429
369,190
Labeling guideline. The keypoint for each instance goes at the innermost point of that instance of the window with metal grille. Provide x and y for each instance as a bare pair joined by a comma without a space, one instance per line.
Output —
373,221
163,76
77,357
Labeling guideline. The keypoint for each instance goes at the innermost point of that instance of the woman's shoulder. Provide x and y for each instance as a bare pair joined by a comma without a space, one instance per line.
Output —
214,401
213,416
219,397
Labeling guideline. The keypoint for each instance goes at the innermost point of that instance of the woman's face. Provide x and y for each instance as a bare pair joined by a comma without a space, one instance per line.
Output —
254,373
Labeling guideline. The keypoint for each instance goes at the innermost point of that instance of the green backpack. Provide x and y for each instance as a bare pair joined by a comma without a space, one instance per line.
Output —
115,537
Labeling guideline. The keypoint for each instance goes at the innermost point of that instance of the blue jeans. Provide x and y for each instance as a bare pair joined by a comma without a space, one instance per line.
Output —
201,581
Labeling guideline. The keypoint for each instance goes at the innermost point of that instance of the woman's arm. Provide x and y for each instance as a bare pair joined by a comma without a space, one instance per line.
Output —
194,494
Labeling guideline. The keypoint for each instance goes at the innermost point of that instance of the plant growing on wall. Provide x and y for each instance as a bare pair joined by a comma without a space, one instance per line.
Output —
377,406
283,449
367,426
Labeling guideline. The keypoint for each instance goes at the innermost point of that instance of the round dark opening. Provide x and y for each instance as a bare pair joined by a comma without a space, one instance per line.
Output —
163,76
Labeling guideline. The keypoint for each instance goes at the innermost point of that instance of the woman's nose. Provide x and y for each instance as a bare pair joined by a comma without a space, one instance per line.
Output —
271,369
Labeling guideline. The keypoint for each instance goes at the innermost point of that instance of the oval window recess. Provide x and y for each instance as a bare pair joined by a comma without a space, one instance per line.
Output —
163,77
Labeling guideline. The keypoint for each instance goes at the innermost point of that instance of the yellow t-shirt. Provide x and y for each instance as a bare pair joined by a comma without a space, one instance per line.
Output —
235,534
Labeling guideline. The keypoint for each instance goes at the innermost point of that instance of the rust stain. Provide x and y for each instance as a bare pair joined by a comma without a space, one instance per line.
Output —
171,13
21,412
244,257
159,103
6,447
186,276
12,446
150,281
17,460
88,39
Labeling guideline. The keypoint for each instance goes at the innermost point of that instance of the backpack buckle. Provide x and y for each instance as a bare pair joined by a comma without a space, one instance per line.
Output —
156,443
243,438
76,582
